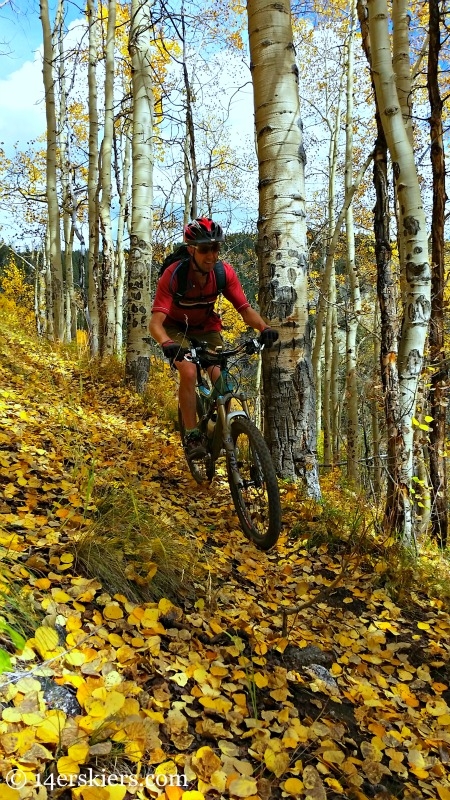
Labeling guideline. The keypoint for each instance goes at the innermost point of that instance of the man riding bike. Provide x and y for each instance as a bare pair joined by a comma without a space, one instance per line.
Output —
176,319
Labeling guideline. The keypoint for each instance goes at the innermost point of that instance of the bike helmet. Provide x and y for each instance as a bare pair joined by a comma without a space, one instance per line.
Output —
203,231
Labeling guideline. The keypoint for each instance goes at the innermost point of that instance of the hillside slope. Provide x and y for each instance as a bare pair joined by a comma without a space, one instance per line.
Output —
144,640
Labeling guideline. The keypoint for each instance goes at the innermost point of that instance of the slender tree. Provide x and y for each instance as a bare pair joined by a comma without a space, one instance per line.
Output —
107,305
415,268
92,310
289,396
354,301
387,288
140,260
439,375
54,233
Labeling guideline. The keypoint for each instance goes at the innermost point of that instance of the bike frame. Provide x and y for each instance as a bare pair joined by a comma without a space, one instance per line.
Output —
212,401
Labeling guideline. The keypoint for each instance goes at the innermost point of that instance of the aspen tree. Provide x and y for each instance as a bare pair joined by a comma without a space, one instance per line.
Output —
54,233
190,155
386,285
331,366
67,197
289,397
120,267
92,311
140,260
354,301
107,304
415,268
438,361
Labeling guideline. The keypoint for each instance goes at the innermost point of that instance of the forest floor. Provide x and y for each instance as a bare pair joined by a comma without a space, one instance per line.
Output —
143,639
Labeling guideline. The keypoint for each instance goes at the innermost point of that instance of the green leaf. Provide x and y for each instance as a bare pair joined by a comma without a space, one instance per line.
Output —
5,662
16,638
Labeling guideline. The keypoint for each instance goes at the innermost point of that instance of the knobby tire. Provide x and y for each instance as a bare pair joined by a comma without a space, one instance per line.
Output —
257,502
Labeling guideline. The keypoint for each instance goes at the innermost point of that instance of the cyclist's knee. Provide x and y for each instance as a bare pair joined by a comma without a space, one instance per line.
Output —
188,372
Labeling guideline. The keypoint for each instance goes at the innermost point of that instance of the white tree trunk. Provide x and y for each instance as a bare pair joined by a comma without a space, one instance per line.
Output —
70,313
415,268
54,233
354,301
92,306
289,401
108,309
120,253
140,262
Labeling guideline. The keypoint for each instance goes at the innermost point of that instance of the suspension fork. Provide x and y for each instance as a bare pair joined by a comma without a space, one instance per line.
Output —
224,419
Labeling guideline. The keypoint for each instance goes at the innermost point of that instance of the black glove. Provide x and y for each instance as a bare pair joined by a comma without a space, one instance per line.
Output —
172,350
268,337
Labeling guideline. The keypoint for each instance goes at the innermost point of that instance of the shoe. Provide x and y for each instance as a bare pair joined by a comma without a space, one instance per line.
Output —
194,447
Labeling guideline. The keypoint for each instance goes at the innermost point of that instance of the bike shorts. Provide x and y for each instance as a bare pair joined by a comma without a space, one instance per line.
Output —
212,338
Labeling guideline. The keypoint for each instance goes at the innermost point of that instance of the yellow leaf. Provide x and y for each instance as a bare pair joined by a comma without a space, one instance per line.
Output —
443,792
59,596
8,793
50,729
116,792
79,752
242,787
333,756
42,583
437,708
420,773
112,611
166,768
76,658
96,792
293,786
46,639
276,762
11,715
67,766
108,707
215,627
335,785
260,680
218,704
193,795
205,762
423,626
174,792
62,513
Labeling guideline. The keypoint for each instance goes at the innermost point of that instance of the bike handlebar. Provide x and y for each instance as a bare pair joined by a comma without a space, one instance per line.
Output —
200,350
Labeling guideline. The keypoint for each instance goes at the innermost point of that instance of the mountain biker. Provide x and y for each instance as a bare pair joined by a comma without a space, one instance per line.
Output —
173,322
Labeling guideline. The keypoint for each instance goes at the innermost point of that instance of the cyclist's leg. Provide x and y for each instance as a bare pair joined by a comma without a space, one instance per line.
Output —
213,339
188,377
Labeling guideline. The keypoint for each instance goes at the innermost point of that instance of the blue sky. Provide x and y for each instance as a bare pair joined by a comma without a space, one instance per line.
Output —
22,114
22,110
20,35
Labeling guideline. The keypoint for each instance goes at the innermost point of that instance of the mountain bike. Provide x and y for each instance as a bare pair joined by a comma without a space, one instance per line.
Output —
230,430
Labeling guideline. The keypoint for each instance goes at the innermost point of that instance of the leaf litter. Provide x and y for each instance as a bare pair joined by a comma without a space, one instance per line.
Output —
198,677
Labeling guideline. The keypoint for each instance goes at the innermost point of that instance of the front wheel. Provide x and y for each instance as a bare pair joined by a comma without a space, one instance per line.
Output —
255,495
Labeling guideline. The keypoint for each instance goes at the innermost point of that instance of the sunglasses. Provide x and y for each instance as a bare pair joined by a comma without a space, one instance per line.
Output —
207,248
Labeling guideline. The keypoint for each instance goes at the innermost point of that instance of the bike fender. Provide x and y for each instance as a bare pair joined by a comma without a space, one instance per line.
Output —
240,413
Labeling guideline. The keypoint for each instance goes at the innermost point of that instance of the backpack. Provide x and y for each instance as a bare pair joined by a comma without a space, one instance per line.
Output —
181,254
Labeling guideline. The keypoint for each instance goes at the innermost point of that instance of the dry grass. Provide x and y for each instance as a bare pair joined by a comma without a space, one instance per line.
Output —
134,553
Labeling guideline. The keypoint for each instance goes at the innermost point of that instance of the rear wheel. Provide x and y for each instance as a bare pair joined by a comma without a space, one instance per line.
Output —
255,496
203,469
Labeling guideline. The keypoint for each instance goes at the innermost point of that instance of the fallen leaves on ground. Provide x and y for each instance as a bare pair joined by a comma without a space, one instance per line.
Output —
204,698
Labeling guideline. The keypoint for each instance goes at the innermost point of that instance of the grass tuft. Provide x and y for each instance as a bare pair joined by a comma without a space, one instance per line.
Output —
134,553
